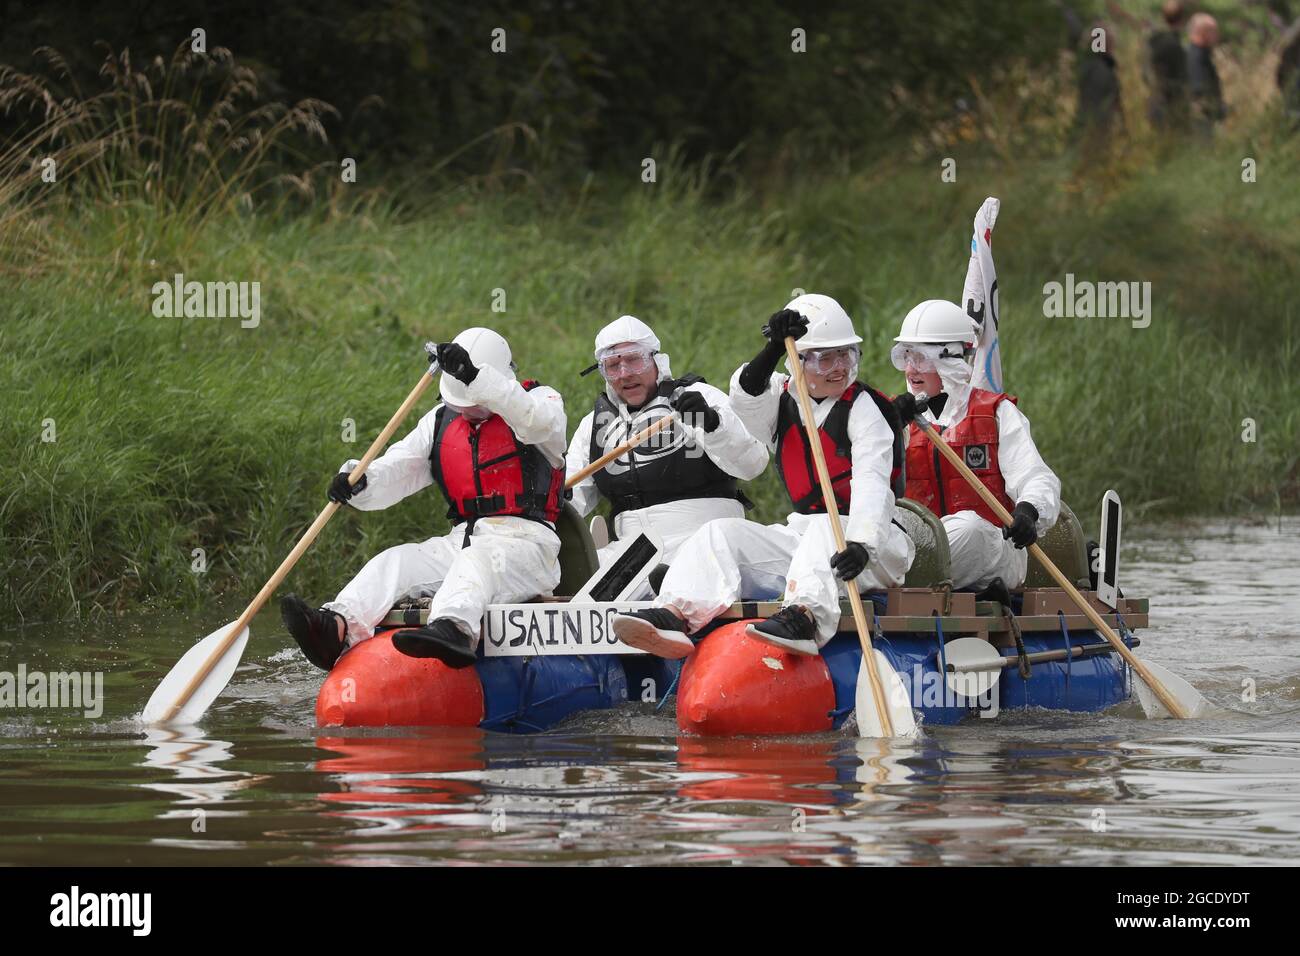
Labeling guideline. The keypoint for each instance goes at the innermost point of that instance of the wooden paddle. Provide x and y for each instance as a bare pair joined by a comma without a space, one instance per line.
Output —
1168,700
899,722
194,683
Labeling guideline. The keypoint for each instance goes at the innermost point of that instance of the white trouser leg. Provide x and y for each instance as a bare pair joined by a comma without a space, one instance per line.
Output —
367,598
813,584
724,561
506,562
980,553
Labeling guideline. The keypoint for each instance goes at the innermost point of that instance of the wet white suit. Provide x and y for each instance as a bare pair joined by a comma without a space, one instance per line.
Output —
979,552
508,559
733,558
729,446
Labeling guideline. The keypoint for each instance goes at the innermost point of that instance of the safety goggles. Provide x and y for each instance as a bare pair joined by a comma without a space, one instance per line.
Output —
925,358
822,361
617,364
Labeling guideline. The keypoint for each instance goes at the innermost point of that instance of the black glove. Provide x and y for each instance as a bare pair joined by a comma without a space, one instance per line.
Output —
850,562
340,490
1023,530
755,376
455,362
695,409
785,324
907,406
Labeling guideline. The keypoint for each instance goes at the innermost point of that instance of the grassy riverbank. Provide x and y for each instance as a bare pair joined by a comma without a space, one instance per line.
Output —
178,434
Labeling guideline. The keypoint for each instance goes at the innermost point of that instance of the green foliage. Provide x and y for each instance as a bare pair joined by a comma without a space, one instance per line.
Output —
581,84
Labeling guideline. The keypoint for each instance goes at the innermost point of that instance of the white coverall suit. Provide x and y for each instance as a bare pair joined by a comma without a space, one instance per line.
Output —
979,552
730,446
733,558
508,559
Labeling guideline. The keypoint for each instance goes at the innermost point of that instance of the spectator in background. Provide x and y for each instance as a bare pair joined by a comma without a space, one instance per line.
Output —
1202,77
1167,70
1100,110
1288,71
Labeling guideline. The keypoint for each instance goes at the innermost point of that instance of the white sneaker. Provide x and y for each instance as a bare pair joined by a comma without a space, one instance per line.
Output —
654,630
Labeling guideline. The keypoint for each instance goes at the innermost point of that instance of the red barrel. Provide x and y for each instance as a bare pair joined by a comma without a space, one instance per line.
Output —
734,684
375,685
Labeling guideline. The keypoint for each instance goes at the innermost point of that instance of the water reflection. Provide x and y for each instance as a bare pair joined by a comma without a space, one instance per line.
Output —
194,762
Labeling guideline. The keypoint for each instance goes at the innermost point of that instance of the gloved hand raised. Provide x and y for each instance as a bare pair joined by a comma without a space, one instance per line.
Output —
455,362
695,409
784,324
1023,530
850,562
341,490
754,376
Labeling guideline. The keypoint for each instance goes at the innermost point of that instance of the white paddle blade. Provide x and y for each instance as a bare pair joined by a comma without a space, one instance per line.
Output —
179,677
897,700
1192,700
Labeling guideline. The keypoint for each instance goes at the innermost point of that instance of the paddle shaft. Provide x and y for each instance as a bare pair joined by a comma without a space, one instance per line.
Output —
833,512
655,427
1167,699
1038,657
298,549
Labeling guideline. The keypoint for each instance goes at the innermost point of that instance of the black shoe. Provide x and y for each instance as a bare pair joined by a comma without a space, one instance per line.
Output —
790,629
441,638
996,591
655,630
315,630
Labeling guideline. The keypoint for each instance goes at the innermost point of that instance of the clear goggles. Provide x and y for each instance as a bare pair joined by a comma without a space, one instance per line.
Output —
822,361
473,413
616,363
922,358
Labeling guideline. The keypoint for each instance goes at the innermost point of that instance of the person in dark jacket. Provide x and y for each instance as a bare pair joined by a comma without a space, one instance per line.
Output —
1099,110
1202,77
1167,70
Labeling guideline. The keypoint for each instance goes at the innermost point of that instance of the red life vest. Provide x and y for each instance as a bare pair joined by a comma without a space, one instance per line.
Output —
484,471
975,439
794,459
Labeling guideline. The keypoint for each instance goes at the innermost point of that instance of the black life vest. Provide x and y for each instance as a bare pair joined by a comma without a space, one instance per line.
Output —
794,459
484,470
668,466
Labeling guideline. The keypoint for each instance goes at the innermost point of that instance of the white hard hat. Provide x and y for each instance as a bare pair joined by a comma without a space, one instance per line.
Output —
828,324
626,328
485,347
936,321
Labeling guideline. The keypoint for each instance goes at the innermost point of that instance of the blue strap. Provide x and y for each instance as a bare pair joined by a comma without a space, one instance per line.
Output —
1126,636
671,687
1069,655
943,656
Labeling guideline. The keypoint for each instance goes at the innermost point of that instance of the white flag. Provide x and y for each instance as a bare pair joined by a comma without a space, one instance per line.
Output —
980,298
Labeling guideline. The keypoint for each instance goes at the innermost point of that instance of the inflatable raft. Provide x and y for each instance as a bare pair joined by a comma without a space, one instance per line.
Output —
546,660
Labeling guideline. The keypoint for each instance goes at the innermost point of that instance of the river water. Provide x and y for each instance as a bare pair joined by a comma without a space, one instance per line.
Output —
259,784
